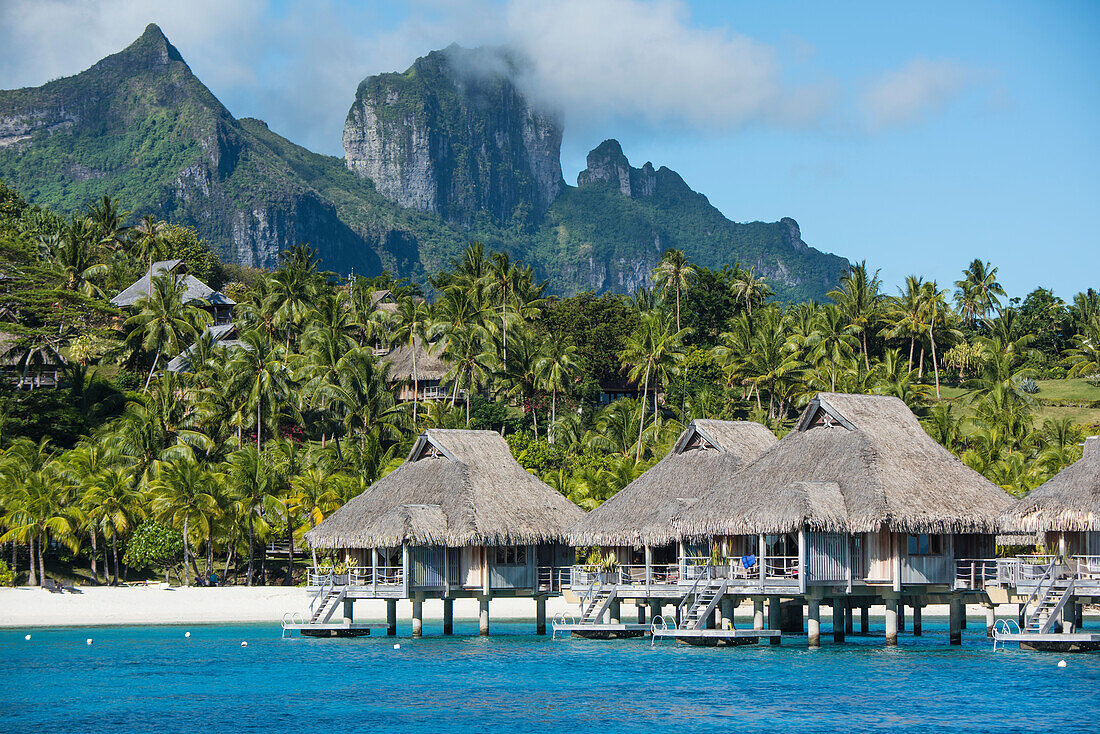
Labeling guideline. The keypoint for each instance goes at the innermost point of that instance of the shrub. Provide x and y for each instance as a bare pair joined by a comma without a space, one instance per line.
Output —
1029,386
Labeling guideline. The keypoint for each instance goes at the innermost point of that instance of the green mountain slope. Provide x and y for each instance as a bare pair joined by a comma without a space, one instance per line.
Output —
411,194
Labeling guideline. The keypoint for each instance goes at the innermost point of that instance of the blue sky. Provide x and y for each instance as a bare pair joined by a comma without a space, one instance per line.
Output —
917,137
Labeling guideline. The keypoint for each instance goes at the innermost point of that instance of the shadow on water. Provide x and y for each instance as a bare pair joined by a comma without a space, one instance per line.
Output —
155,679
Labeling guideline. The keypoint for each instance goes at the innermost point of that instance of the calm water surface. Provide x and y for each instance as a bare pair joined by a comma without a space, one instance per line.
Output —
154,679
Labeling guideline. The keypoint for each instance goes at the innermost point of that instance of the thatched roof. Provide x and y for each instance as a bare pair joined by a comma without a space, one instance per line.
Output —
1069,502
853,463
641,512
225,336
428,366
456,488
14,353
196,290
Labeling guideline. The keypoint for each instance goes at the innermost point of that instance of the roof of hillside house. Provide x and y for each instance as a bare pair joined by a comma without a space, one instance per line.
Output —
456,488
428,366
383,300
14,353
196,290
641,513
853,463
1069,502
225,336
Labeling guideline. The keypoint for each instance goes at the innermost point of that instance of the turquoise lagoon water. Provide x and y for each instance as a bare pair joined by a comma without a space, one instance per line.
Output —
154,679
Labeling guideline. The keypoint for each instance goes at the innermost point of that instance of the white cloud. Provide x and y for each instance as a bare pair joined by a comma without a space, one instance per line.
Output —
915,91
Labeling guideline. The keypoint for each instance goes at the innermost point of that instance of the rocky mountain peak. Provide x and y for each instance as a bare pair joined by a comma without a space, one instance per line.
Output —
453,135
607,163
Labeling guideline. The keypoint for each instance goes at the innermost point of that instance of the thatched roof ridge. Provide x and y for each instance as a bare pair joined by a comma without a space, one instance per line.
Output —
888,470
641,513
456,488
1068,502
194,289
428,365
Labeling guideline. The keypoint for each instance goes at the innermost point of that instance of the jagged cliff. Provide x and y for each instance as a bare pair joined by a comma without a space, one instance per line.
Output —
446,152
453,136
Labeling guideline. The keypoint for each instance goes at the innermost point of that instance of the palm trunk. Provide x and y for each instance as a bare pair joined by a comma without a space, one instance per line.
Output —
32,574
186,559
258,404
677,307
641,414
912,343
920,372
228,558
95,571
935,364
289,581
151,371
251,549
41,561
866,356
114,554
416,381
553,413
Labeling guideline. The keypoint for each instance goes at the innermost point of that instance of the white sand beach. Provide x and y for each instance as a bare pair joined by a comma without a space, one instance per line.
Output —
161,604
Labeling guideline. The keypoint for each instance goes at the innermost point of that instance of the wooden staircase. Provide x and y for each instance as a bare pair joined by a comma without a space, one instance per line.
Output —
702,605
328,604
598,605
1052,600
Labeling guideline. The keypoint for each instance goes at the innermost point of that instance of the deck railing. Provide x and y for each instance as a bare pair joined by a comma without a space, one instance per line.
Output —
976,573
384,576
553,578
1023,571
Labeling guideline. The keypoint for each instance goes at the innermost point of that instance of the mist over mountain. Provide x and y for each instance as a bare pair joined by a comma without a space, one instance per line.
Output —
449,151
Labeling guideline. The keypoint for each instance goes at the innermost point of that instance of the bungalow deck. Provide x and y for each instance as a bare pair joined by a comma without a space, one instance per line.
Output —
716,638
332,629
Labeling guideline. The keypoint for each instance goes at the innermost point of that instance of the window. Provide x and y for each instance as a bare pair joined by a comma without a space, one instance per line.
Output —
925,545
512,555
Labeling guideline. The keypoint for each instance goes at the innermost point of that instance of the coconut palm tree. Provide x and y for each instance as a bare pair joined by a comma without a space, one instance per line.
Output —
675,273
116,506
251,474
860,300
410,327
258,372
556,368
653,351
183,497
904,315
976,295
832,341
749,289
163,322
76,252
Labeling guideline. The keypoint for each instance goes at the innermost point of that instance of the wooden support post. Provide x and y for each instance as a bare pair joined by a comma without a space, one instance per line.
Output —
956,621
813,622
418,618
962,617
865,619
540,615
712,620
758,614
654,610
775,617
1078,617
838,620
391,617
616,611
448,616
848,618
349,611
990,620
901,615
483,615
641,611
917,620
891,621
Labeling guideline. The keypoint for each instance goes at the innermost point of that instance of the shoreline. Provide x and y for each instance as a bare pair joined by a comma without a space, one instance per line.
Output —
160,604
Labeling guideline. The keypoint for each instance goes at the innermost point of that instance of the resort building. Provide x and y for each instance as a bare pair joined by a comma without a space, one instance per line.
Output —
458,519
29,366
222,336
215,302
635,525
417,374
1053,586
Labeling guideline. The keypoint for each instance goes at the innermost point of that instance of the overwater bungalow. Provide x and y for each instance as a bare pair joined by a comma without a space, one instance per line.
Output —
1054,586
635,525
856,503
219,305
458,519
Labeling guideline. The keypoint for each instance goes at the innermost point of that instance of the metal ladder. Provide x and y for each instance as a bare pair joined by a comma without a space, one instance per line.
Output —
704,603
1051,602
329,602
599,603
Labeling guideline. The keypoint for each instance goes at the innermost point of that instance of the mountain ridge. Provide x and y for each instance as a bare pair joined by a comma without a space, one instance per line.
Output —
141,126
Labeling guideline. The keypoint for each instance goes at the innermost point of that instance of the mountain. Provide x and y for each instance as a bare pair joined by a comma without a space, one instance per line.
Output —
449,151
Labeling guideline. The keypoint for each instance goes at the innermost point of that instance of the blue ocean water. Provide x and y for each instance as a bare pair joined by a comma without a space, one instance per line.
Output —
153,679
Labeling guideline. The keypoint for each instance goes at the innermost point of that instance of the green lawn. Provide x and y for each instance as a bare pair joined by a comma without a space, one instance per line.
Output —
1076,389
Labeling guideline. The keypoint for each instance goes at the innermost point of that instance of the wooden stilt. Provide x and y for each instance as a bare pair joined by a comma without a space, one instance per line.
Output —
540,615
417,618
775,617
391,617
956,621
813,623
448,616
838,620
483,615
917,621
865,619
758,614
891,622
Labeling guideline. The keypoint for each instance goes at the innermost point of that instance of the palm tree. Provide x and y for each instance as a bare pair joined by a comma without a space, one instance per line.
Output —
312,495
76,252
183,496
654,349
258,373
977,293
250,473
936,310
163,321
109,223
749,289
675,273
411,324
149,246
555,369
860,301
905,314
831,341
116,505
29,498
1083,358
361,398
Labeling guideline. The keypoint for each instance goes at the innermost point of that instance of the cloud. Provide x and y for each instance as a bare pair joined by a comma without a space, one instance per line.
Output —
915,91
645,61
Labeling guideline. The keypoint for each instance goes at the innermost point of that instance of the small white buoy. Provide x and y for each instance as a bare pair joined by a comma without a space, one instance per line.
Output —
1061,663
89,640
186,634
27,637
244,644
396,647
